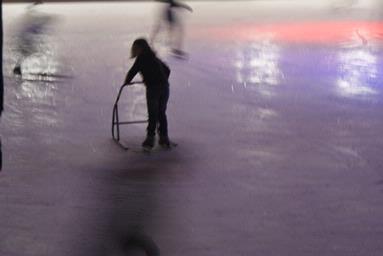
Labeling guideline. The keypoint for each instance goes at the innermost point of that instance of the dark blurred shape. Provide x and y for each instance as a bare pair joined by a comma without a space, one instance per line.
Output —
122,219
133,243
34,25
171,18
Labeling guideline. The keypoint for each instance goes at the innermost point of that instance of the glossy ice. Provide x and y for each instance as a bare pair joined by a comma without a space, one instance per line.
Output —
277,112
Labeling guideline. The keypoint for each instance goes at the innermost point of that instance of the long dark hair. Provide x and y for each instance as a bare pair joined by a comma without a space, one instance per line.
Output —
144,45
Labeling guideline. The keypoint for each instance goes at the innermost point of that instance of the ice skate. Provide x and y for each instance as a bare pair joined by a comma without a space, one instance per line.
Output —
148,143
164,142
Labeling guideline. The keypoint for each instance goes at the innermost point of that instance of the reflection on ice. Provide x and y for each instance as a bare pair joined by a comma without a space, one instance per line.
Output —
37,93
358,69
32,103
45,63
266,113
258,64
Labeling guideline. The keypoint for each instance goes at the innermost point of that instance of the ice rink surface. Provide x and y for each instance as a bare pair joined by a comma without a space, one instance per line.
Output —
277,113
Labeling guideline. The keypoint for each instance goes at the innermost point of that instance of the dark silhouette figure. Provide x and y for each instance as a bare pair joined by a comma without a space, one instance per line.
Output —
172,20
155,74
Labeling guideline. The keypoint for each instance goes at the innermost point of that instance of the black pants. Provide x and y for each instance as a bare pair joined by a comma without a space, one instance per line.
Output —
157,101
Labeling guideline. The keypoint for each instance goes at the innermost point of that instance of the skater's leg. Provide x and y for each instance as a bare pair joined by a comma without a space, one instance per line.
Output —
152,100
178,40
26,48
170,39
179,37
163,122
172,27
17,68
163,102
26,51
156,30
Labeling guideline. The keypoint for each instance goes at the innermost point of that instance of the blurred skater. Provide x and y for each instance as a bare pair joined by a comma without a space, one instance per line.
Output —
170,17
33,26
155,74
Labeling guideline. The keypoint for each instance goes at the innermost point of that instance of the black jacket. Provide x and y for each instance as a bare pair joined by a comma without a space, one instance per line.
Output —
154,72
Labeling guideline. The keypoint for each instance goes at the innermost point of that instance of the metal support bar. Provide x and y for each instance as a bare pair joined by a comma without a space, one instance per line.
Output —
116,120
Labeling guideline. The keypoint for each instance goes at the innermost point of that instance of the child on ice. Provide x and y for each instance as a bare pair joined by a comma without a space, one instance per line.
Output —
155,74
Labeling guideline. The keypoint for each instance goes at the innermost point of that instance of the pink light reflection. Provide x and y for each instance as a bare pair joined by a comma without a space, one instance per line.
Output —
302,32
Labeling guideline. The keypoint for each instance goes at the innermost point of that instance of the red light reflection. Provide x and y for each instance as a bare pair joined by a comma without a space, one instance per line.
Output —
302,32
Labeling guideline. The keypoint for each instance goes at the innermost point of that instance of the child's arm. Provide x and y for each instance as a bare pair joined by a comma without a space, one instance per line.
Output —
132,73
